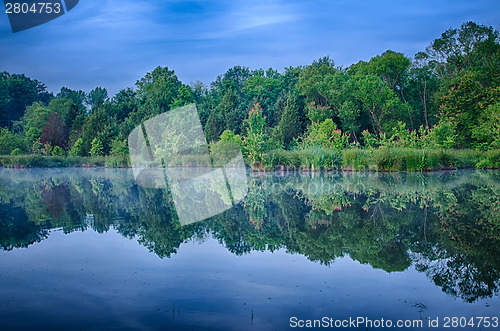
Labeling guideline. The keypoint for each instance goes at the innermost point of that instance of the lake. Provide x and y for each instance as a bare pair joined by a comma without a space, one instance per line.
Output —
90,249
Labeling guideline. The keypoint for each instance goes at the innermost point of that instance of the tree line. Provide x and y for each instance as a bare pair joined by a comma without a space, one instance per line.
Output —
446,96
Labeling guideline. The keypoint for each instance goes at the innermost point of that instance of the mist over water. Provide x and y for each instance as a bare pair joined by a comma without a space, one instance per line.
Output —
89,248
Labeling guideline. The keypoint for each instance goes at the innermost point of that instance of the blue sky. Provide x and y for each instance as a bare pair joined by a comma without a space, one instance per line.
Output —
113,43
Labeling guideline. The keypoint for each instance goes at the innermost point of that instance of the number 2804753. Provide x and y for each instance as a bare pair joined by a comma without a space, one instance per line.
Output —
35,8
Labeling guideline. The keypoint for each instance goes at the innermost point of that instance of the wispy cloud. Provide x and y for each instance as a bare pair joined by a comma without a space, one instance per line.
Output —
249,16
113,43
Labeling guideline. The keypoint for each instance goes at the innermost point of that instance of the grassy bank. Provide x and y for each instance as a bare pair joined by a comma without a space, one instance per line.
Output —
39,161
381,159
312,159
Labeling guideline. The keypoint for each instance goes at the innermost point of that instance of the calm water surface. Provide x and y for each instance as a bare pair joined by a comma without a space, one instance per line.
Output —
89,249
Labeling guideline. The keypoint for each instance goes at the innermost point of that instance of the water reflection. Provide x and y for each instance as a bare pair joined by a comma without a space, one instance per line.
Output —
446,224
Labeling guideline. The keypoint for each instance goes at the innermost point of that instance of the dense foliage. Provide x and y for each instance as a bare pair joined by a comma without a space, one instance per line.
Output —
445,97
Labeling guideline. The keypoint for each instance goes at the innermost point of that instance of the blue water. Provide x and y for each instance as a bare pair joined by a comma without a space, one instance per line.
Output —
88,249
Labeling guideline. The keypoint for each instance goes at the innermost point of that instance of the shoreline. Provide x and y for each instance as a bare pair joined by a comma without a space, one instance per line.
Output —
349,160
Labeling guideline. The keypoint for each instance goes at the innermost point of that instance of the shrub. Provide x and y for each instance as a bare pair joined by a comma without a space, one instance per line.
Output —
37,147
58,151
114,161
119,148
281,157
441,136
223,152
10,141
369,139
254,141
47,149
229,136
77,149
97,147
325,135
16,151
487,134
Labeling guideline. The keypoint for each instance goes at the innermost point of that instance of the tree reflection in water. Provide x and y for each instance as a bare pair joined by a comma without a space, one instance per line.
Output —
445,224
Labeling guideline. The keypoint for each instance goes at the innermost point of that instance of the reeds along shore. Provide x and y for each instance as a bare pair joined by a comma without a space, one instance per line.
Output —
309,159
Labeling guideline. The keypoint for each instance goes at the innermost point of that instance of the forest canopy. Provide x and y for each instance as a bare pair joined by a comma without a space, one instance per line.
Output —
446,96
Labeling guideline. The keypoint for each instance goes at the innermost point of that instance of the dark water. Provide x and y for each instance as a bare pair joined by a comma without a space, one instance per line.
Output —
89,249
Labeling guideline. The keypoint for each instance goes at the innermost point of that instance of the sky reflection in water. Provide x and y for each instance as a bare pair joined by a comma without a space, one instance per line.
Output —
88,248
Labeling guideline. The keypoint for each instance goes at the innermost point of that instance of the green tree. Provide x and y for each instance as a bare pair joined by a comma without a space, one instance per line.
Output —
16,93
264,87
77,149
97,147
421,87
292,123
99,124
349,116
379,102
78,97
34,120
229,136
314,81
442,135
487,133
97,97
119,148
10,141
316,113
464,104
456,49
160,91
214,126
391,67
324,134
66,108
254,140
230,112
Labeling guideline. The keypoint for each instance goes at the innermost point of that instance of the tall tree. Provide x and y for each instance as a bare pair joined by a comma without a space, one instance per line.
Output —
292,123
422,85
16,93
99,125
380,103
158,91
391,67
311,83
464,104
78,97
454,50
124,103
54,132
97,97
34,120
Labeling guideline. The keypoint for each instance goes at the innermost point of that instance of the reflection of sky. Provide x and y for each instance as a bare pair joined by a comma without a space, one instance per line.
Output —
89,280
112,43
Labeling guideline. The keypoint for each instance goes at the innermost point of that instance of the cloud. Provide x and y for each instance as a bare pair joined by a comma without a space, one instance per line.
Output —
248,16
112,43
